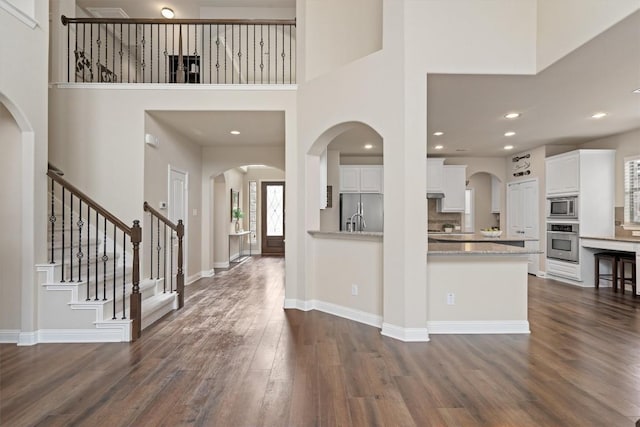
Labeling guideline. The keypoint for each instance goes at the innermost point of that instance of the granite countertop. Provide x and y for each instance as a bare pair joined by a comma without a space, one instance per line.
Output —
349,235
473,237
632,239
478,248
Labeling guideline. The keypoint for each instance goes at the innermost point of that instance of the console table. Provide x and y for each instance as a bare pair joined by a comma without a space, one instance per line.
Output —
240,235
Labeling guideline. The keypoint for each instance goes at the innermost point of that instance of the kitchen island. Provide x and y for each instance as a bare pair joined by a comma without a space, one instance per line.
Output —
478,238
477,287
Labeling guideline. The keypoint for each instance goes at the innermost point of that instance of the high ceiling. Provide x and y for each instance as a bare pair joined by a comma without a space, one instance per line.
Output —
556,104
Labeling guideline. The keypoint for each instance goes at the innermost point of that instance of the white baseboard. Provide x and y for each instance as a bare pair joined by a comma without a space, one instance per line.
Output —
335,310
479,327
208,273
9,336
28,338
405,334
221,264
79,335
541,274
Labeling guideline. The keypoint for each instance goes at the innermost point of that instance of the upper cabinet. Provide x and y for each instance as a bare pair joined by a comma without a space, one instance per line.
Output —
361,179
454,186
563,173
434,175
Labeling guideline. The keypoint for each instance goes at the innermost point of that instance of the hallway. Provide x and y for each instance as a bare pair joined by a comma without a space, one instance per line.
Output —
233,357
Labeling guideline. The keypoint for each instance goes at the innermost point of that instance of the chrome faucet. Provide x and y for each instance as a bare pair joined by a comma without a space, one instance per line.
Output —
364,223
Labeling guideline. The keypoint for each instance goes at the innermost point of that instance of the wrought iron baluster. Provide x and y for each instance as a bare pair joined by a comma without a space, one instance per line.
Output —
217,53
254,54
247,52
137,57
232,50
164,262
210,54
63,240
151,246
128,53
80,255
269,54
283,54
88,250
275,52
105,258
121,53
173,51
115,230
157,54
91,53
124,275
106,45
261,54
113,51
71,238
188,67
158,248
225,53
151,55
95,298
52,221
166,58
239,54
69,50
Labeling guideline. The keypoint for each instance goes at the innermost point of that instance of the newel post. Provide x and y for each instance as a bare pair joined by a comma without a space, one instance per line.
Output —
180,275
136,298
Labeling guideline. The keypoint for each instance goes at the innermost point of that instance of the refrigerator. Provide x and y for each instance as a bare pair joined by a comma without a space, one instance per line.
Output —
369,206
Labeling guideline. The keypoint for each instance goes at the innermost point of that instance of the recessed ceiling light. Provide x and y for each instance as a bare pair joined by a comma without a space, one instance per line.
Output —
167,12
599,115
508,147
439,147
510,133
235,132
368,146
512,115
637,90
438,133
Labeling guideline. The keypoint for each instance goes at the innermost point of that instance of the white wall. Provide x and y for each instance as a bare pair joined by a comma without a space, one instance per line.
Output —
220,223
625,144
176,151
247,13
23,91
565,25
339,32
10,221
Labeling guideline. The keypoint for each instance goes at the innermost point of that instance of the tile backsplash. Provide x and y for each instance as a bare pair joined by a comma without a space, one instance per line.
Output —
435,219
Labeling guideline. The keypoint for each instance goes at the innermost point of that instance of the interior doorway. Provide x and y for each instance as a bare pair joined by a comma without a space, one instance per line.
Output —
178,206
273,215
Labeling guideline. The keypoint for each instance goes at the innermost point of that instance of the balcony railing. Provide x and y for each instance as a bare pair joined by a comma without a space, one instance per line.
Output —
180,51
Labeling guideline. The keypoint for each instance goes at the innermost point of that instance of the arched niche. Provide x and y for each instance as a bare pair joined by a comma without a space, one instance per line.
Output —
487,191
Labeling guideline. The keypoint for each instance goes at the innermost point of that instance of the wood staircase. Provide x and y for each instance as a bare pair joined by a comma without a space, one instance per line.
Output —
91,259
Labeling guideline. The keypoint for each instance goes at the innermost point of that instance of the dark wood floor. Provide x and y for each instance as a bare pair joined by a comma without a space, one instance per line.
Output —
233,357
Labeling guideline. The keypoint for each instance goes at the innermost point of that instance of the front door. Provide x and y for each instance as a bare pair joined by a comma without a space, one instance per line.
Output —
272,197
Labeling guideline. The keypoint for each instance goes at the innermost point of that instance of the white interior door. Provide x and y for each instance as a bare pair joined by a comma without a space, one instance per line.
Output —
178,186
523,218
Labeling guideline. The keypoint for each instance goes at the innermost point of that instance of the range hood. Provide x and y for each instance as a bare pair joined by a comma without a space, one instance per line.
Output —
435,195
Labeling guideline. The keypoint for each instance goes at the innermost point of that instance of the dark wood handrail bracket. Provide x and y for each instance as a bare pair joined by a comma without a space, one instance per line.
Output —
86,199
65,21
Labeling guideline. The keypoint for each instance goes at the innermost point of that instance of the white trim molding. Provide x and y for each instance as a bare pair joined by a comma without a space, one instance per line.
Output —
22,16
405,334
335,310
479,327
221,264
28,338
9,336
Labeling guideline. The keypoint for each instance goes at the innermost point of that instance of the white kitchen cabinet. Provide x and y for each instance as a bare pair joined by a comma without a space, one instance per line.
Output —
434,175
563,173
496,194
453,186
522,216
371,179
361,179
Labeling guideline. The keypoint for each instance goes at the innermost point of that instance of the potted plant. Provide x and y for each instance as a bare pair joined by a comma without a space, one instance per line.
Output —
237,215
448,228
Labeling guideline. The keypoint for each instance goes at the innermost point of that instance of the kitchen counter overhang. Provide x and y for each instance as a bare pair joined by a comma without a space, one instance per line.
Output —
348,235
477,248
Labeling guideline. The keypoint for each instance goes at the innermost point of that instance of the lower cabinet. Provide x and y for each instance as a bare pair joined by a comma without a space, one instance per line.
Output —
569,270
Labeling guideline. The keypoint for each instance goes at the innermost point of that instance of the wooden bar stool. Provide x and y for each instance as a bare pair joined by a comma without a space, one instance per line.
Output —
626,260
611,257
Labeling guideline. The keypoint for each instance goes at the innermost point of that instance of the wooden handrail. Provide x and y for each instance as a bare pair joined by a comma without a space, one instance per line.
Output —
169,223
55,169
66,20
89,201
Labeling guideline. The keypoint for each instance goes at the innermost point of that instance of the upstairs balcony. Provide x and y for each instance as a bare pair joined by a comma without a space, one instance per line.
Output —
180,51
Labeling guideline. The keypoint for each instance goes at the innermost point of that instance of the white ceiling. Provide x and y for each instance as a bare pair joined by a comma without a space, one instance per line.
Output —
352,142
184,9
556,104
211,128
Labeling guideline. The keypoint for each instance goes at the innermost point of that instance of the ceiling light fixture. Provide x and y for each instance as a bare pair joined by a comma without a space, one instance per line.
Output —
438,133
508,147
235,132
439,147
510,133
637,90
368,146
167,12
512,115
599,115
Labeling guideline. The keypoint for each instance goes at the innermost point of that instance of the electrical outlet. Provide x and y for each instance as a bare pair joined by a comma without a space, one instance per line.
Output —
451,298
354,289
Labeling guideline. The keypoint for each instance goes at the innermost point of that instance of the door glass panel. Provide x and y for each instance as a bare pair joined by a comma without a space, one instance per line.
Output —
275,210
